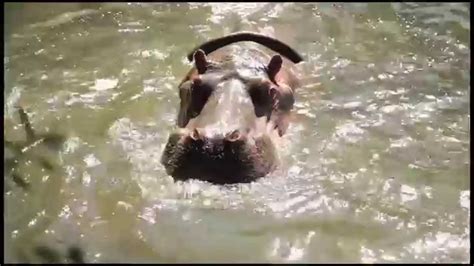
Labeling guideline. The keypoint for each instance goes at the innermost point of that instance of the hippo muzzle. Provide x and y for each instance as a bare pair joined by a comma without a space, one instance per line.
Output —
232,113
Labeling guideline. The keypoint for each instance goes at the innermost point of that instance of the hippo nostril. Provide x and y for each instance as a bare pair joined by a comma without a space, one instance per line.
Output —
233,136
195,135
197,81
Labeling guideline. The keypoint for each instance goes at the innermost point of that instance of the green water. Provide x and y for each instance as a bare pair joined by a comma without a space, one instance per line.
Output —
374,168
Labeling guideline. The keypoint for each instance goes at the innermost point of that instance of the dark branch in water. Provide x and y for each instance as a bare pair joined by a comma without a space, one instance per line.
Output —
12,152
30,134
20,181
53,141
46,164
16,150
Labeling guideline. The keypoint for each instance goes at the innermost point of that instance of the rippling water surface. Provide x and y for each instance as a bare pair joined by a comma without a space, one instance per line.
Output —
375,167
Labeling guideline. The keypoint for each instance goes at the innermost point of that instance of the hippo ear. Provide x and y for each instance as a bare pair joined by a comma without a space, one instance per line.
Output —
274,66
200,61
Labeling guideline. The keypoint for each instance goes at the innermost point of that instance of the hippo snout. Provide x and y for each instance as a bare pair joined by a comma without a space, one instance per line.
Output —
199,135
233,157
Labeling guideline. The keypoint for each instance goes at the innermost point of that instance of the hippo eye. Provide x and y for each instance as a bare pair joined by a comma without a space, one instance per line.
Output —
261,98
200,93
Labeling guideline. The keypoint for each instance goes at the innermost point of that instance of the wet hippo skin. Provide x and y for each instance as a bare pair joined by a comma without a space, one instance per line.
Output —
235,104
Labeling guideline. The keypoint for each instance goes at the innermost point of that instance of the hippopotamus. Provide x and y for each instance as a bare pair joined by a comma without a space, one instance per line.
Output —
235,105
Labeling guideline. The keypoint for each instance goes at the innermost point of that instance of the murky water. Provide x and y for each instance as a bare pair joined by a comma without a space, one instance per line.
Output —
375,167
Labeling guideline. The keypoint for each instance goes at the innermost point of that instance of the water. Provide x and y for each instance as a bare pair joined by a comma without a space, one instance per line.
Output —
375,166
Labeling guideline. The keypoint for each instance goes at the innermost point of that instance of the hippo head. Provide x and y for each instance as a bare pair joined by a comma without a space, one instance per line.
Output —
229,122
